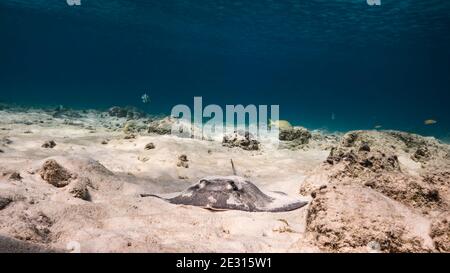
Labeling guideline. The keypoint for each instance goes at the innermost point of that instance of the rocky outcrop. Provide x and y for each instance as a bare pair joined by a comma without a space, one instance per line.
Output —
128,112
55,174
323,140
346,218
241,139
11,245
440,232
298,134
370,159
132,127
161,126
27,225
4,201
422,154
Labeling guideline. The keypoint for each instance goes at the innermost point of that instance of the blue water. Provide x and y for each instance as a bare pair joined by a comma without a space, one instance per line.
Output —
363,65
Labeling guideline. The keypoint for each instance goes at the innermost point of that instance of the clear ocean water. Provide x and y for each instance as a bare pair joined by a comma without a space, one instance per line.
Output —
329,64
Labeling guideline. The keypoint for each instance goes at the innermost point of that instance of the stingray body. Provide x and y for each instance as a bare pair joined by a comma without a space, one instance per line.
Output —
232,193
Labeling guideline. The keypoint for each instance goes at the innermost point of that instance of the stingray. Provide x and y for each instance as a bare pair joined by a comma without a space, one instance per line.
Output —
231,193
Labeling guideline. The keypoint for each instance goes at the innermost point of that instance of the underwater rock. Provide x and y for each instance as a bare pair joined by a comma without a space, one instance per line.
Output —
425,148
298,134
6,141
79,188
349,139
55,174
28,225
439,181
421,154
149,146
183,161
346,218
440,232
1,151
15,176
128,112
5,201
130,136
117,111
382,172
364,148
63,112
412,140
12,245
241,139
104,142
132,127
232,193
49,144
162,126
376,161
378,167
143,158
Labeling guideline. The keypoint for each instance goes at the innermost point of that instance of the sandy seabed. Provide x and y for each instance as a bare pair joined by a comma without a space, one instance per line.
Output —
71,181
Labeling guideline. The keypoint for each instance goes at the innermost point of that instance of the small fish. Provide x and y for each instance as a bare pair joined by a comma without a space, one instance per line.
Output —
145,98
430,122
333,116
378,126
280,124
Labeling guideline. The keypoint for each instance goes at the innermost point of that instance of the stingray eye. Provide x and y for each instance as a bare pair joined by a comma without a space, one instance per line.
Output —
232,186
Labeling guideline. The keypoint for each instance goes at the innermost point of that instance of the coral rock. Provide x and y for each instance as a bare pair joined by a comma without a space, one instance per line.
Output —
15,176
183,161
297,134
162,126
4,201
79,188
243,140
55,174
49,144
128,112
355,219
440,232
150,146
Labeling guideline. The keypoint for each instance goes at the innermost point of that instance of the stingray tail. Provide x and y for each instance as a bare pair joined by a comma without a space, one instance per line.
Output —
289,207
232,167
150,195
